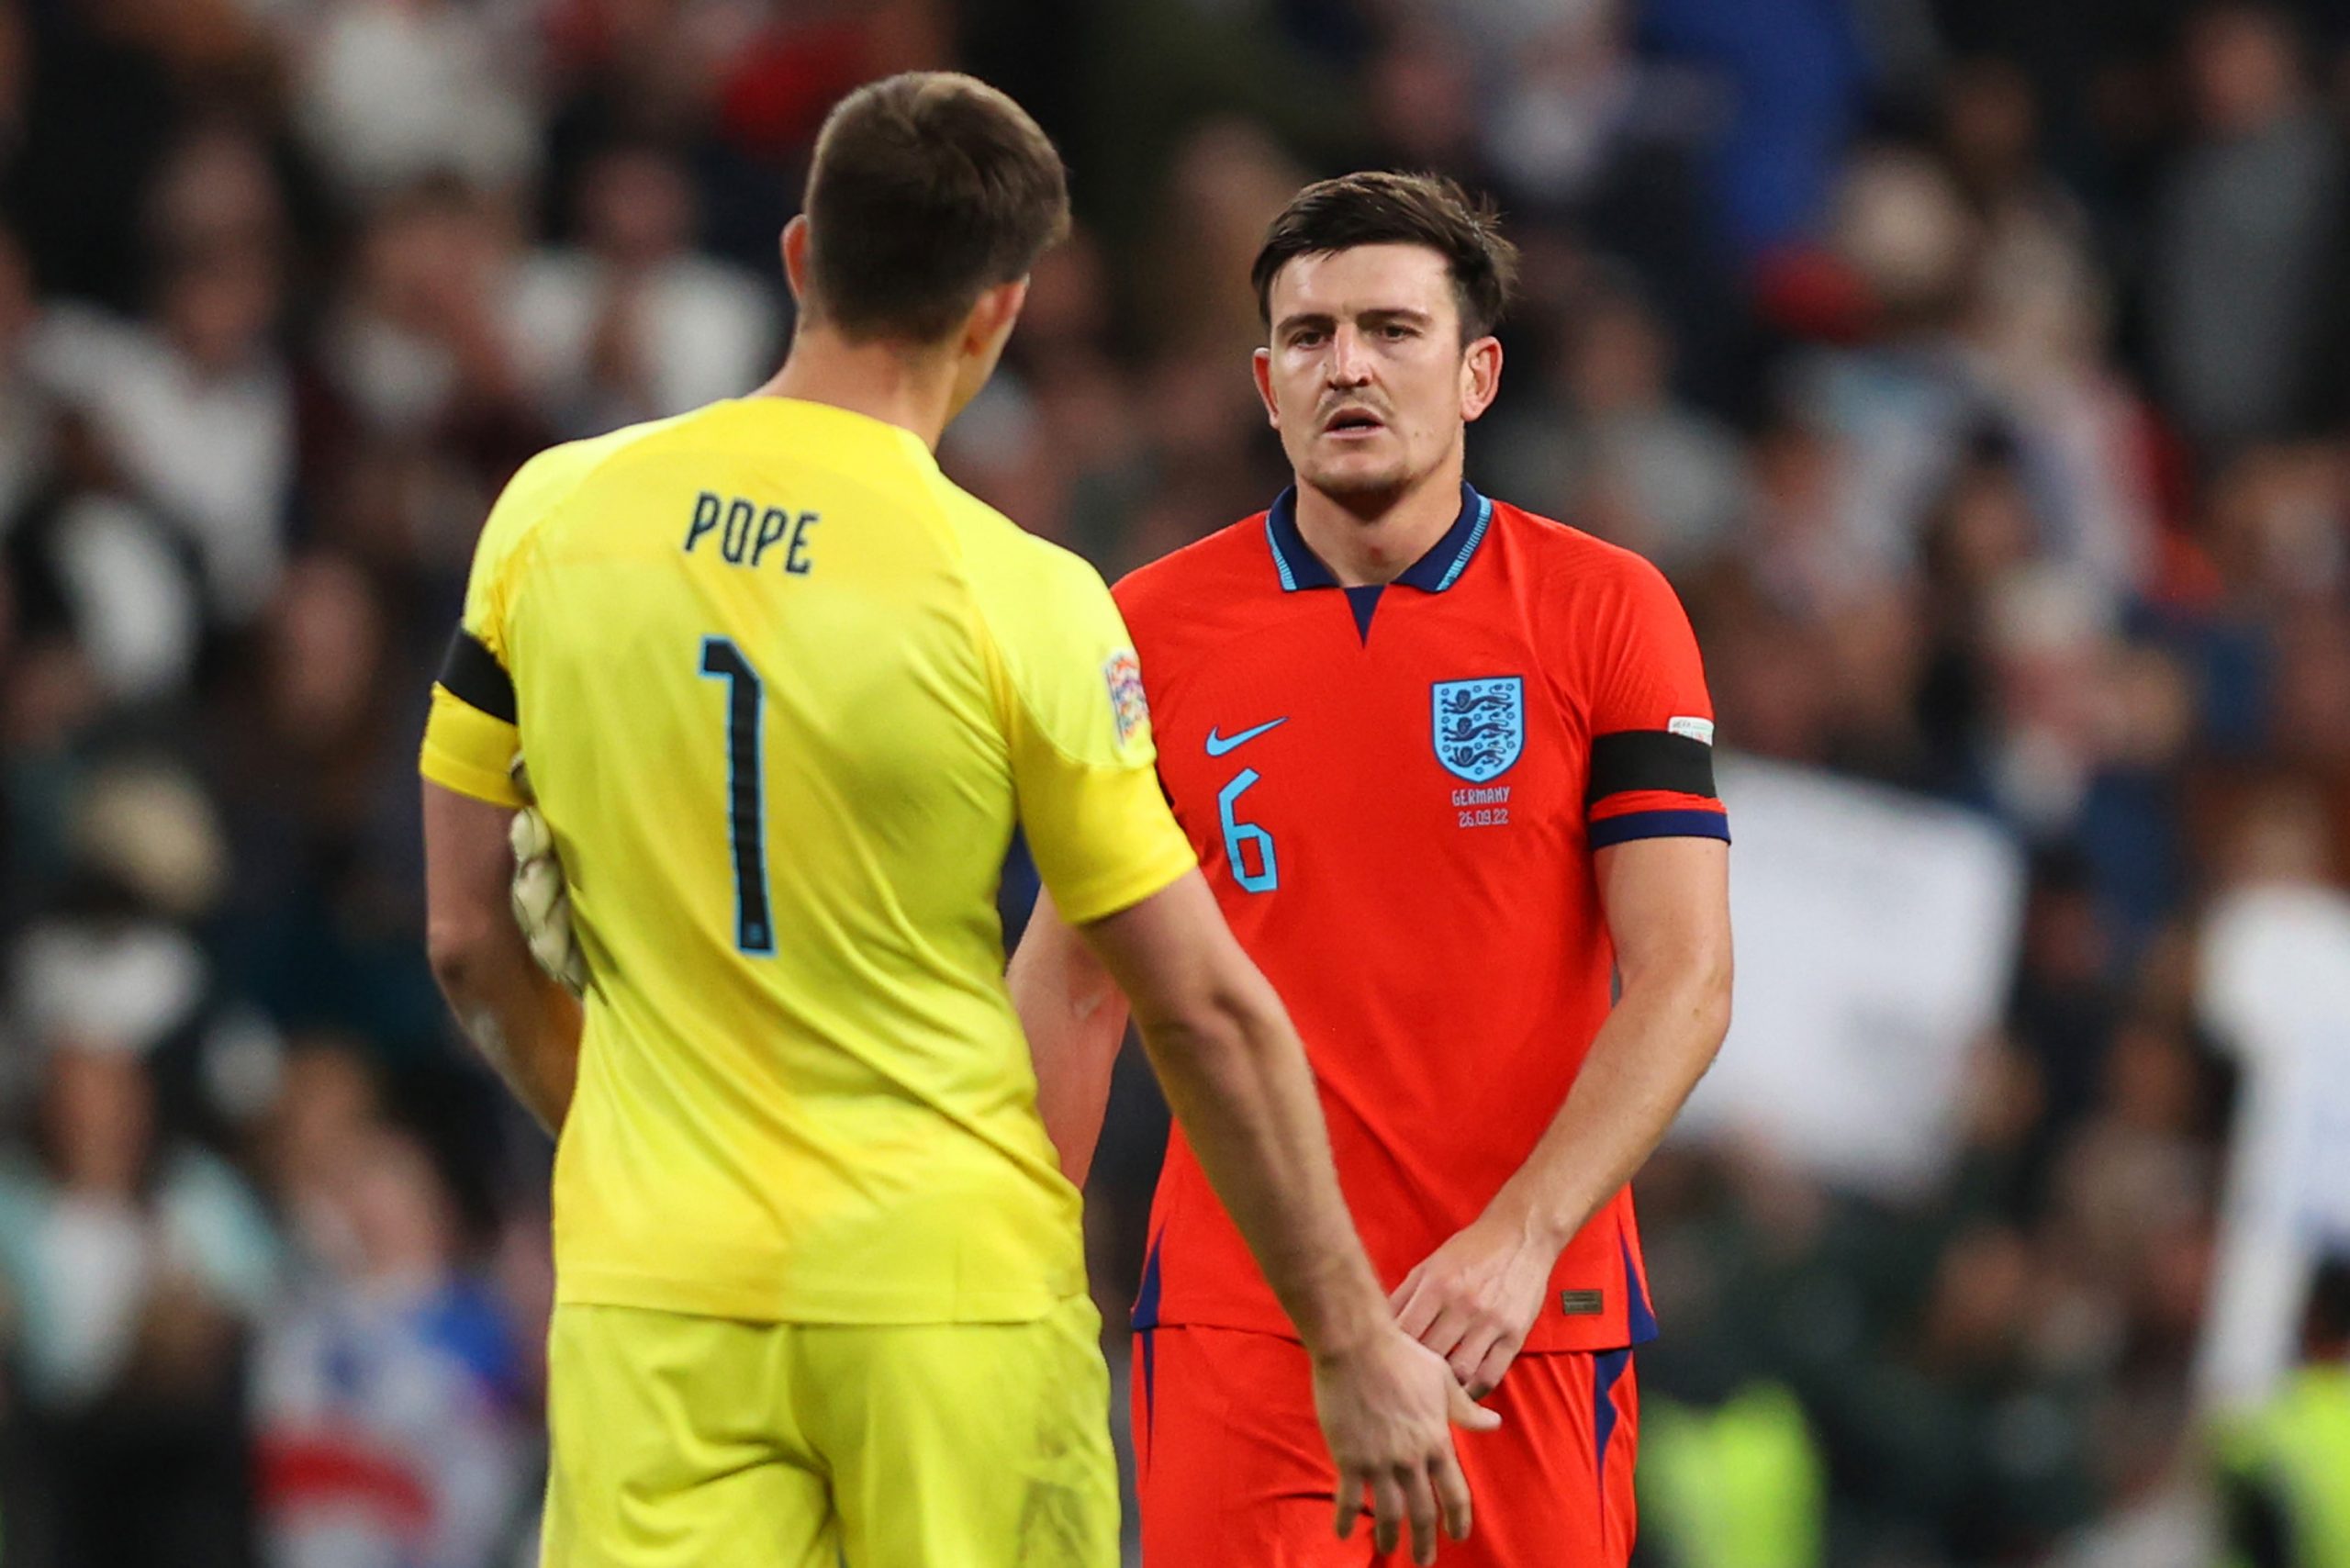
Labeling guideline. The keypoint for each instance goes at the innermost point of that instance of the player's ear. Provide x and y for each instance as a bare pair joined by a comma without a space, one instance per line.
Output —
992,318
795,255
1481,377
978,344
1261,365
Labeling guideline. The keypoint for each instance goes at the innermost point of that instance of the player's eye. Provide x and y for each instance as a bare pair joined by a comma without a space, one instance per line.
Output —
1305,338
1396,331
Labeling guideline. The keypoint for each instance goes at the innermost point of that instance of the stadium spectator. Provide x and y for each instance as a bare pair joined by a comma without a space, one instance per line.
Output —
631,324
2245,234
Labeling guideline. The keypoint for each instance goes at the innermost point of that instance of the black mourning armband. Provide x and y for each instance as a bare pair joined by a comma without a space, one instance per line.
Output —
474,677
1632,760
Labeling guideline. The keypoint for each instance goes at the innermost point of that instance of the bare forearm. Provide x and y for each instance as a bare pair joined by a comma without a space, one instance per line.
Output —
1075,1018
525,1024
1246,1102
1235,1076
1646,1057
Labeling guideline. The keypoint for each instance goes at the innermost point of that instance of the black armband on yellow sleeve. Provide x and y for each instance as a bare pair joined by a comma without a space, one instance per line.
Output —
473,675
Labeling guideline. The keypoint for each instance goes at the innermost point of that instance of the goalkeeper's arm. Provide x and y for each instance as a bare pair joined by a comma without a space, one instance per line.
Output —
520,1017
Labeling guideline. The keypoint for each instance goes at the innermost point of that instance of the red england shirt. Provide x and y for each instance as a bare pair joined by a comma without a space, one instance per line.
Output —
1397,793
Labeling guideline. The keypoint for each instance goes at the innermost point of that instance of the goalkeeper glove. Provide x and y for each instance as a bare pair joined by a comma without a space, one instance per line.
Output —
542,900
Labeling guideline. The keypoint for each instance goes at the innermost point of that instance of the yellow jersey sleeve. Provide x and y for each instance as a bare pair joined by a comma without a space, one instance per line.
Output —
469,751
471,733
1079,730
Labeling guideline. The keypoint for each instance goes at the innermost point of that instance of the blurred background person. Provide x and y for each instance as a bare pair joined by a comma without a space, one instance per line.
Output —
2280,1466
631,324
389,1397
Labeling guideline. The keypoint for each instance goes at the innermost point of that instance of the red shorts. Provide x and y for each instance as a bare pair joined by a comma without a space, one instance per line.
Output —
1232,1472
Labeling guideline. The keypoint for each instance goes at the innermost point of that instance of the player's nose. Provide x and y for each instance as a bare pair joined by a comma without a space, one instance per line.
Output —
1348,363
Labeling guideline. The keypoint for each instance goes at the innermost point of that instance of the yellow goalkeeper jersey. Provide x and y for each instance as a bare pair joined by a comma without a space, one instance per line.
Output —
785,690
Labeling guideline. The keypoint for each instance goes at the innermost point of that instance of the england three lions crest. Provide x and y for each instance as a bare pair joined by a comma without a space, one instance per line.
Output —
1479,725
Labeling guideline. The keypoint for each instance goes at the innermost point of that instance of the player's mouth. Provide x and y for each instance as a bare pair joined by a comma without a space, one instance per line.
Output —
1353,424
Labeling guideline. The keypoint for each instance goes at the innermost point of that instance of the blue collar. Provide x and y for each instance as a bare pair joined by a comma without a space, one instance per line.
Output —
1432,573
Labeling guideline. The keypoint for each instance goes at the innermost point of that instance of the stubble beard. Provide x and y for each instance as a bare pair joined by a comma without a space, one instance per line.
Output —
1359,489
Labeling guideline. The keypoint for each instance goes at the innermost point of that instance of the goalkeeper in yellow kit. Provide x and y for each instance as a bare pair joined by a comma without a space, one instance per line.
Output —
785,693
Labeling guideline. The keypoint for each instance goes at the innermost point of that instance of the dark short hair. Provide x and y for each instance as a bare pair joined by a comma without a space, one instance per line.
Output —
926,190
1379,207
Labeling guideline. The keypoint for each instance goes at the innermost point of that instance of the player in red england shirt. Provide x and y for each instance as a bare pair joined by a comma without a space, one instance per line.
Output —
1449,768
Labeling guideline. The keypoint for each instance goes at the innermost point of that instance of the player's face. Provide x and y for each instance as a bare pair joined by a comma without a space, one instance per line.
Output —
1367,377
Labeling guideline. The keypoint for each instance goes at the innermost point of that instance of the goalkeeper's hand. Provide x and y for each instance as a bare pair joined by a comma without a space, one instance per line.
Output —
541,898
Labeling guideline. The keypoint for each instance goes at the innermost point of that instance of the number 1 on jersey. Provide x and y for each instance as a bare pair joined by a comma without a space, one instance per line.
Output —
745,793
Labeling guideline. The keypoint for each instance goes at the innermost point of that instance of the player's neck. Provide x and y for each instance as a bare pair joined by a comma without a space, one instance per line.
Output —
1375,539
880,380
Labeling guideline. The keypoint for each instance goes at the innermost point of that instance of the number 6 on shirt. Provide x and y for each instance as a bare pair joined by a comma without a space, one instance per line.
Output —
1238,833
745,791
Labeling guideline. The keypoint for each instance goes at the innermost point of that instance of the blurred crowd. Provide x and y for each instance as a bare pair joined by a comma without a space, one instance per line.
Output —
1975,368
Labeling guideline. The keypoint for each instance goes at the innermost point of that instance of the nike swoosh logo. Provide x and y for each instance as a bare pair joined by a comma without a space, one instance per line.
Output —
1219,744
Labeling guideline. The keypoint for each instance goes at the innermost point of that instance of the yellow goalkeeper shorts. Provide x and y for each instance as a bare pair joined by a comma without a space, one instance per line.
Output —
682,1441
